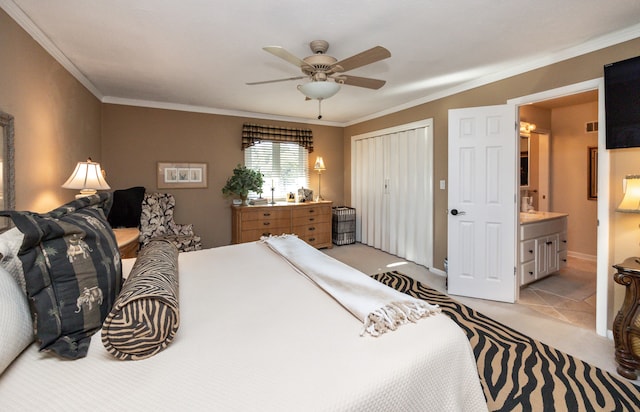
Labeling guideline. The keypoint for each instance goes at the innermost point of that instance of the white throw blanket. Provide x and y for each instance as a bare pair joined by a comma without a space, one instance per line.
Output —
380,307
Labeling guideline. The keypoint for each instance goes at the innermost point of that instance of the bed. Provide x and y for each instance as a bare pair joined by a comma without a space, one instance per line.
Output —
256,334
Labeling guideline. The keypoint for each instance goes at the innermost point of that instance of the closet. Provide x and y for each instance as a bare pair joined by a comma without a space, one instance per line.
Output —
392,190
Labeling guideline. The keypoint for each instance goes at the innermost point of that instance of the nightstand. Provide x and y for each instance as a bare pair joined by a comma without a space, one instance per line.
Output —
626,327
128,241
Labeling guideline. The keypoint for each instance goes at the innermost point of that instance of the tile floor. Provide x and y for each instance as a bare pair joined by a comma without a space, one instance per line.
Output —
568,295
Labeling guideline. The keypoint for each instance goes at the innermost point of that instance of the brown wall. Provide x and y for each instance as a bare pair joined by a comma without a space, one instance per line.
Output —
136,138
582,68
569,174
57,121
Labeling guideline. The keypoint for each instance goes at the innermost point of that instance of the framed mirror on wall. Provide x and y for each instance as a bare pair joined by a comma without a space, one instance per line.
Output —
7,180
524,160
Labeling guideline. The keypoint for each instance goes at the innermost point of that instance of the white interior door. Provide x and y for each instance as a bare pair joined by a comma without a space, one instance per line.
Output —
482,202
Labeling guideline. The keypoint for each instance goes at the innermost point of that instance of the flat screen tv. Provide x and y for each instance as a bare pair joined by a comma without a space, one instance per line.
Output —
622,103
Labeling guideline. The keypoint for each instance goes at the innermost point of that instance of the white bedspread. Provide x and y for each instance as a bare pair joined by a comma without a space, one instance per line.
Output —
255,335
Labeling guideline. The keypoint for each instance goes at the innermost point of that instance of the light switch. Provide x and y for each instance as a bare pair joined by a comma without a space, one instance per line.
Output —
443,185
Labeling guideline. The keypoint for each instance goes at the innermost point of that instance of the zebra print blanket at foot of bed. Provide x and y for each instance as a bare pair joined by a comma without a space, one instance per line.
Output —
520,373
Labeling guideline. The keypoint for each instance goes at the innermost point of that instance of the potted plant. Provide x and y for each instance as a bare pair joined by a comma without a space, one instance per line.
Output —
243,181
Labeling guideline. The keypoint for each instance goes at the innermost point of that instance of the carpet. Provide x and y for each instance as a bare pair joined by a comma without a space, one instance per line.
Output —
520,373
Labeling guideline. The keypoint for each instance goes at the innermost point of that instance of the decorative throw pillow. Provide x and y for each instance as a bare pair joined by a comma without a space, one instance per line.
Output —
127,207
16,331
72,271
146,315
10,242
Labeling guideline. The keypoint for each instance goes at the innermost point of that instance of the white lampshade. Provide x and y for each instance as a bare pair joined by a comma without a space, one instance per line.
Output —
319,90
319,164
631,200
88,178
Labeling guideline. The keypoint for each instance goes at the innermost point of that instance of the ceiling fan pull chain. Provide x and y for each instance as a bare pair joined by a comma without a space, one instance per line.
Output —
319,109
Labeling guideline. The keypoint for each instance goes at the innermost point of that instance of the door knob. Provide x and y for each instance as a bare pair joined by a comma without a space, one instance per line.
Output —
456,212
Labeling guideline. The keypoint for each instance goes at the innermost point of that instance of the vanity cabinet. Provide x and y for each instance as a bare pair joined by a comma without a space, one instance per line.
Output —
310,221
543,247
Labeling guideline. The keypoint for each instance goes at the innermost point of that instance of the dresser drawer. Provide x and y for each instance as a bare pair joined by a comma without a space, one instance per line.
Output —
310,219
311,228
265,214
253,235
316,239
273,224
310,211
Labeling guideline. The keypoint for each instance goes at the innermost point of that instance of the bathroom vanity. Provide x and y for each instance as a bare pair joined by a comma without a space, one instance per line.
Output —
543,244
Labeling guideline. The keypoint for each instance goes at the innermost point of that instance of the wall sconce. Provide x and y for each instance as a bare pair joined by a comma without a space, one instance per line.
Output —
319,167
88,177
631,200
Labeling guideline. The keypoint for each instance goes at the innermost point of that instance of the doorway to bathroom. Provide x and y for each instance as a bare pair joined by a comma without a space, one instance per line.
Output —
558,136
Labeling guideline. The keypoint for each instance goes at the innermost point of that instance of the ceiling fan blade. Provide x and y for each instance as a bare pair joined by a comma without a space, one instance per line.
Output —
372,55
361,81
285,55
276,81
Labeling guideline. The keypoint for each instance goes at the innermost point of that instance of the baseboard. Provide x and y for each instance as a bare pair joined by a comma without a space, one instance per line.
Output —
438,272
584,256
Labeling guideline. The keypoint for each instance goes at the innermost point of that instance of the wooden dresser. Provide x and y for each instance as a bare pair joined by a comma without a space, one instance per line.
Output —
311,221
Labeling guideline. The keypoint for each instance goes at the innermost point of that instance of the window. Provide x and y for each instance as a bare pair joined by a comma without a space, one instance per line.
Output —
285,165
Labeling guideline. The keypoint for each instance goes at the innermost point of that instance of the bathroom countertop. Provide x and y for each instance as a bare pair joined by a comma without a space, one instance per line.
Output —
532,217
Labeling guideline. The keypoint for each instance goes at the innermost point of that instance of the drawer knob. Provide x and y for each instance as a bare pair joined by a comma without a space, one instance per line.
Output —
266,223
312,239
311,210
549,243
311,219
531,273
530,251
266,214
312,228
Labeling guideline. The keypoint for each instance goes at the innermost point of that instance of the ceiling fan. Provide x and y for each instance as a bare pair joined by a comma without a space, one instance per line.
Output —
326,72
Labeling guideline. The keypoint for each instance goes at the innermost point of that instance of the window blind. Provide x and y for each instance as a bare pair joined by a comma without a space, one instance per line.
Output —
284,165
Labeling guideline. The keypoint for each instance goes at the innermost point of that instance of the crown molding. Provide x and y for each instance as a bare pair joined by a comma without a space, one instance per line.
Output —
211,110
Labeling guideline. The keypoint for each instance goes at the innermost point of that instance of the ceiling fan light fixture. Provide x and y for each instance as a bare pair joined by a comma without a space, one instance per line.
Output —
319,90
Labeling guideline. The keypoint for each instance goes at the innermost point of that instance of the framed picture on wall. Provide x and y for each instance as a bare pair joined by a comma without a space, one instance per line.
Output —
181,175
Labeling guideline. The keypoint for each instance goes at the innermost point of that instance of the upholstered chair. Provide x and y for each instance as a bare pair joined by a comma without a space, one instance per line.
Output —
156,221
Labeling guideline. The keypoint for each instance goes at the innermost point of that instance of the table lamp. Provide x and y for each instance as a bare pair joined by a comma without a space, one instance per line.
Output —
88,177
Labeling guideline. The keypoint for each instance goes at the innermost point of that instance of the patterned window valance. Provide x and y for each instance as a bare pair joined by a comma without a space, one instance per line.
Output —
255,133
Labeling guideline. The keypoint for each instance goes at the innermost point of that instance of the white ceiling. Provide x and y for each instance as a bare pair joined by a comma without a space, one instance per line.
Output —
198,54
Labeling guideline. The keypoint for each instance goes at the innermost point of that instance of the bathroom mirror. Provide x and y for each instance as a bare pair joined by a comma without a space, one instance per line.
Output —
524,160
7,169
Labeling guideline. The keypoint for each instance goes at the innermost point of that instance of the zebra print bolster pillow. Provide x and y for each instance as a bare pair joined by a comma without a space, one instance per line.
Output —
145,316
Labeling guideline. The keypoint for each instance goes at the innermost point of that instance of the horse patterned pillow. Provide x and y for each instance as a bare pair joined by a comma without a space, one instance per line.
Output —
72,271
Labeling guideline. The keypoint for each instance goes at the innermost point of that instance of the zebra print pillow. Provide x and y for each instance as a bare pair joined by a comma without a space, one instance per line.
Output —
145,316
